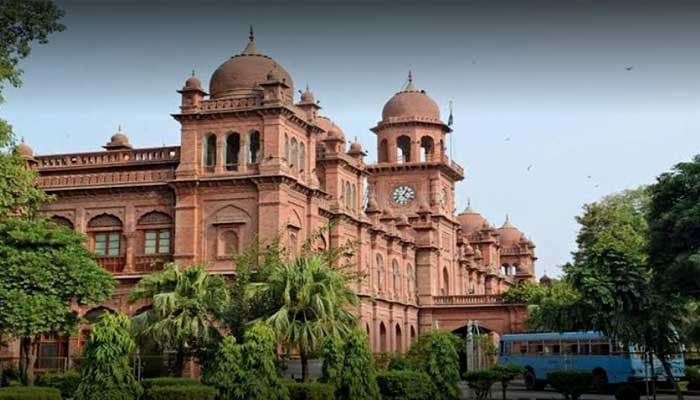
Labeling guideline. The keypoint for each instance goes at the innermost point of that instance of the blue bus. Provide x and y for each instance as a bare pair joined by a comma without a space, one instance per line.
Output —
609,362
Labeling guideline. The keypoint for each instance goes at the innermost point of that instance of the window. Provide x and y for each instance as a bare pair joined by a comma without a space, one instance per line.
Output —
383,151
302,157
294,154
107,244
552,347
254,147
210,151
426,145
233,146
600,347
286,148
403,148
380,273
445,282
228,244
570,347
396,284
157,241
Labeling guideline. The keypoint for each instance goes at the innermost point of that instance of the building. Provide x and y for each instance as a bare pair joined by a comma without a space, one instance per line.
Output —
254,163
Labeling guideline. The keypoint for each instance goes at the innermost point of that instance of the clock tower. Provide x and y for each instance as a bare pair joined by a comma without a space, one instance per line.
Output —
412,169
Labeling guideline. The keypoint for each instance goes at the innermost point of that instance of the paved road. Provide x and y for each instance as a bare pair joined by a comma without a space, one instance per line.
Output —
517,391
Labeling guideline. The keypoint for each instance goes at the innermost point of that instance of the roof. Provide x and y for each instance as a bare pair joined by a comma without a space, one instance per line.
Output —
552,336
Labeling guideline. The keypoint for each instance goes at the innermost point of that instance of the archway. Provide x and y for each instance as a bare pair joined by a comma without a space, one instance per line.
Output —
399,339
382,338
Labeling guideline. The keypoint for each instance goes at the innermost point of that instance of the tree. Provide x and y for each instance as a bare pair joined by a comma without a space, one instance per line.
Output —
674,224
435,353
21,24
505,374
358,377
332,361
185,306
46,269
481,382
247,371
314,301
106,369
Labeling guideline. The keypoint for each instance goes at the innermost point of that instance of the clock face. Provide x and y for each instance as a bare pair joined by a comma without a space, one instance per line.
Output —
403,195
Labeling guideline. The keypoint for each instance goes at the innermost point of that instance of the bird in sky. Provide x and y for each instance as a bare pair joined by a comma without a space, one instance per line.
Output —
589,177
629,68
529,167
507,139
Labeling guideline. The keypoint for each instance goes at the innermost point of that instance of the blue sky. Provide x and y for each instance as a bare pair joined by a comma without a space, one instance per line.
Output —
540,83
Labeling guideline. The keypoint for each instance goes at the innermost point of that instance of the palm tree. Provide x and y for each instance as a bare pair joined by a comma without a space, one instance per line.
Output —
313,303
185,304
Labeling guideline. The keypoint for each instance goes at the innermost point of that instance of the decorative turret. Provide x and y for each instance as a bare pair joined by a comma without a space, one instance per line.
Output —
118,141
192,94
309,104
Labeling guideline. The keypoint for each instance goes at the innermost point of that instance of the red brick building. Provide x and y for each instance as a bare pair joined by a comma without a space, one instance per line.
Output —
254,162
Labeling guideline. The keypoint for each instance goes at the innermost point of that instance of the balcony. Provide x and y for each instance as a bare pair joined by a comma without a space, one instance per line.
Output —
468,300
114,265
152,263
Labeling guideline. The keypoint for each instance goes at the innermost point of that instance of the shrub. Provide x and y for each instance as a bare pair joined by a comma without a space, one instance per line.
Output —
29,393
106,368
332,361
409,385
506,373
435,354
156,382
358,378
571,384
9,376
481,382
181,392
627,392
309,391
66,382
693,375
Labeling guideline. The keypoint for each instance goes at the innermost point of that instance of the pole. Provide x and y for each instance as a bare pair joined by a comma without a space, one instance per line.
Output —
470,348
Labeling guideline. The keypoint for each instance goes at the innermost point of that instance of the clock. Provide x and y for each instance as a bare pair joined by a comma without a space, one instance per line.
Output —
403,195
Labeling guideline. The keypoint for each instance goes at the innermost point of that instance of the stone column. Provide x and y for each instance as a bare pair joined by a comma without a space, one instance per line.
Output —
130,248
243,153
219,166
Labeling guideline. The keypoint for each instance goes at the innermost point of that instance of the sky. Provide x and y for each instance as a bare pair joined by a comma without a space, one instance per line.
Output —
557,103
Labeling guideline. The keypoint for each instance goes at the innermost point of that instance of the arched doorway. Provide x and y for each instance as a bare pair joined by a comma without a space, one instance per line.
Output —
382,338
399,340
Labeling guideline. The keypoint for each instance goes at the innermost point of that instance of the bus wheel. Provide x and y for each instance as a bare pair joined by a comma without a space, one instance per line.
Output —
599,383
530,380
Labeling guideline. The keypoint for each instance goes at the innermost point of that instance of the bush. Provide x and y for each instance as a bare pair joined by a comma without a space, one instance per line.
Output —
332,361
693,375
627,392
309,391
505,374
571,384
435,354
9,376
182,392
481,382
66,382
29,393
157,382
409,385
358,377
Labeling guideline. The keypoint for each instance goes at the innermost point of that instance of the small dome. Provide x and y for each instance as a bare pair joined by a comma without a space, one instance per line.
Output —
24,151
508,234
545,280
327,125
355,148
244,72
471,220
307,97
411,104
193,82
118,141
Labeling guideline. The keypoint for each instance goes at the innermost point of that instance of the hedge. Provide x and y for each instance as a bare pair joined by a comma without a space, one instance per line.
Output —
153,382
182,392
29,393
572,384
409,385
309,391
66,382
693,375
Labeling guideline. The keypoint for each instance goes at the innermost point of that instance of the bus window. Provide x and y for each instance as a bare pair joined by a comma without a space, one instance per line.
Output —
506,348
570,348
584,347
552,347
616,348
535,348
520,347
600,348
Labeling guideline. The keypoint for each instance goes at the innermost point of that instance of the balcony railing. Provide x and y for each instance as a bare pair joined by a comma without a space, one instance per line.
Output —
152,263
114,265
110,158
472,299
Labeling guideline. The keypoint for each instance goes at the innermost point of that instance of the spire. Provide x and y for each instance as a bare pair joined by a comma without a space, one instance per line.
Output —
119,128
193,72
409,86
469,209
250,49
507,223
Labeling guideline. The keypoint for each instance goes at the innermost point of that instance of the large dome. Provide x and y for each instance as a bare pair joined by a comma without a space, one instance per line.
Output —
471,220
411,104
508,234
244,72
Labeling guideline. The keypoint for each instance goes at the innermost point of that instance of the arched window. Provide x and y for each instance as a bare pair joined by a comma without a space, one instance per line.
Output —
156,228
348,196
413,334
382,338
367,329
233,147
427,148
228,243
445,282
254,147
383,151
399,339
396,281
62,221
106,232
353,197
286,149
411,278
294,154
293,243
403,149
302,157
210,150
380,273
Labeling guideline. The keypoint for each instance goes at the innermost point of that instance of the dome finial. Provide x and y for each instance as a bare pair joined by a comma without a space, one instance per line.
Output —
507,223
192,71
250,49
251,35
409,86
119,128
410,76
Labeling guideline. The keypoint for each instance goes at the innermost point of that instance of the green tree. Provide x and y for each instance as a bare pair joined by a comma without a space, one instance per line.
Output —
358,377
22,23
435,353
185,306
674,224
314,298
332,361
247,371
505,374
106,370
45,269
